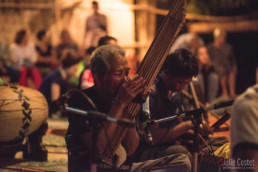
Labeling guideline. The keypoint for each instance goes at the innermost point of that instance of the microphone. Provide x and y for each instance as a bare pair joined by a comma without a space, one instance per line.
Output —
99,116
105,117
57,104
148,138
220,105
196,111
223,104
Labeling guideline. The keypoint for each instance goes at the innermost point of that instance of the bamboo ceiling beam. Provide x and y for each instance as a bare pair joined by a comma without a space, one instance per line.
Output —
189,16
197,16
207,17
28,5
233,26
146,7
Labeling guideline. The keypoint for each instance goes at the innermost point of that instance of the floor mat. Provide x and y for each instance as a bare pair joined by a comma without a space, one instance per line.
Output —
57,152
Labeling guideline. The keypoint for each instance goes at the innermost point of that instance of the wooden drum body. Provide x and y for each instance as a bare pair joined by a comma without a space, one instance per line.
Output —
22,111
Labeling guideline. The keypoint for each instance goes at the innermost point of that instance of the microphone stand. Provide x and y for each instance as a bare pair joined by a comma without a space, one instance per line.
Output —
196,120
97,118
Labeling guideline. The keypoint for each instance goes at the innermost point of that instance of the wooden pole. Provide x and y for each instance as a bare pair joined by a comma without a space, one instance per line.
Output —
58,20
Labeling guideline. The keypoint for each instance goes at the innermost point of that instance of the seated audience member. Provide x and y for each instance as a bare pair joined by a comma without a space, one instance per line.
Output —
111,94
165,101
1,81
57,82
66,45
24,58
107,40
207,77
132,59
244,128
87,57
83,64
5,64
86,79
189,41
4,53
47,61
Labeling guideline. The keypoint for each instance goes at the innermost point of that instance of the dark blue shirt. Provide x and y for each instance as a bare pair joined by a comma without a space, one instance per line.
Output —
54,77
159,105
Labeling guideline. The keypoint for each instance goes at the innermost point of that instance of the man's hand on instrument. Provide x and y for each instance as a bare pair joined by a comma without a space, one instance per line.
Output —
129,89
205,129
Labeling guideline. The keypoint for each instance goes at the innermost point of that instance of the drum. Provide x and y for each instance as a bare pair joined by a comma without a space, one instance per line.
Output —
22,111
217,161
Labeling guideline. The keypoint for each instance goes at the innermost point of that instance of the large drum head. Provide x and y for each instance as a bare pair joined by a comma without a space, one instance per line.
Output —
22,111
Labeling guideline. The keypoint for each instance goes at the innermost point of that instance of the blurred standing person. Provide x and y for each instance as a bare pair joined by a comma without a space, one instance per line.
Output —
224,62
46,55
24,57
96,27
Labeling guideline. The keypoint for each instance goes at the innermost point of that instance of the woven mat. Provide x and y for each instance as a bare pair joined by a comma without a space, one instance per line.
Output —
57,152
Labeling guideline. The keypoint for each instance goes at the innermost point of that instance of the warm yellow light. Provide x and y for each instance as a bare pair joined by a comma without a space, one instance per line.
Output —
120,17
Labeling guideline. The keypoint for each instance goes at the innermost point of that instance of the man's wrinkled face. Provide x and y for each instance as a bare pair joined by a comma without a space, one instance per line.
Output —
116,76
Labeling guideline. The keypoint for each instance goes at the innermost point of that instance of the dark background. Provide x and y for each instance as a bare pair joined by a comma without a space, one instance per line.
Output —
245,44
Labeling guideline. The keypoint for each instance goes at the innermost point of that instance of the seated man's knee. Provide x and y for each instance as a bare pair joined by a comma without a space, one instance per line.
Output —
214,76
177,149
181,162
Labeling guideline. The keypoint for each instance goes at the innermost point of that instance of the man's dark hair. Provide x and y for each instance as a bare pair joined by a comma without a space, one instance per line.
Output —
69,61
90,50
40,34
19,36
103,40
181,63
94,3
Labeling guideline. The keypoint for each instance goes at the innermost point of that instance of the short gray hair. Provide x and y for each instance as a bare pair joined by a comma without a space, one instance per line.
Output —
103,56
219,31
